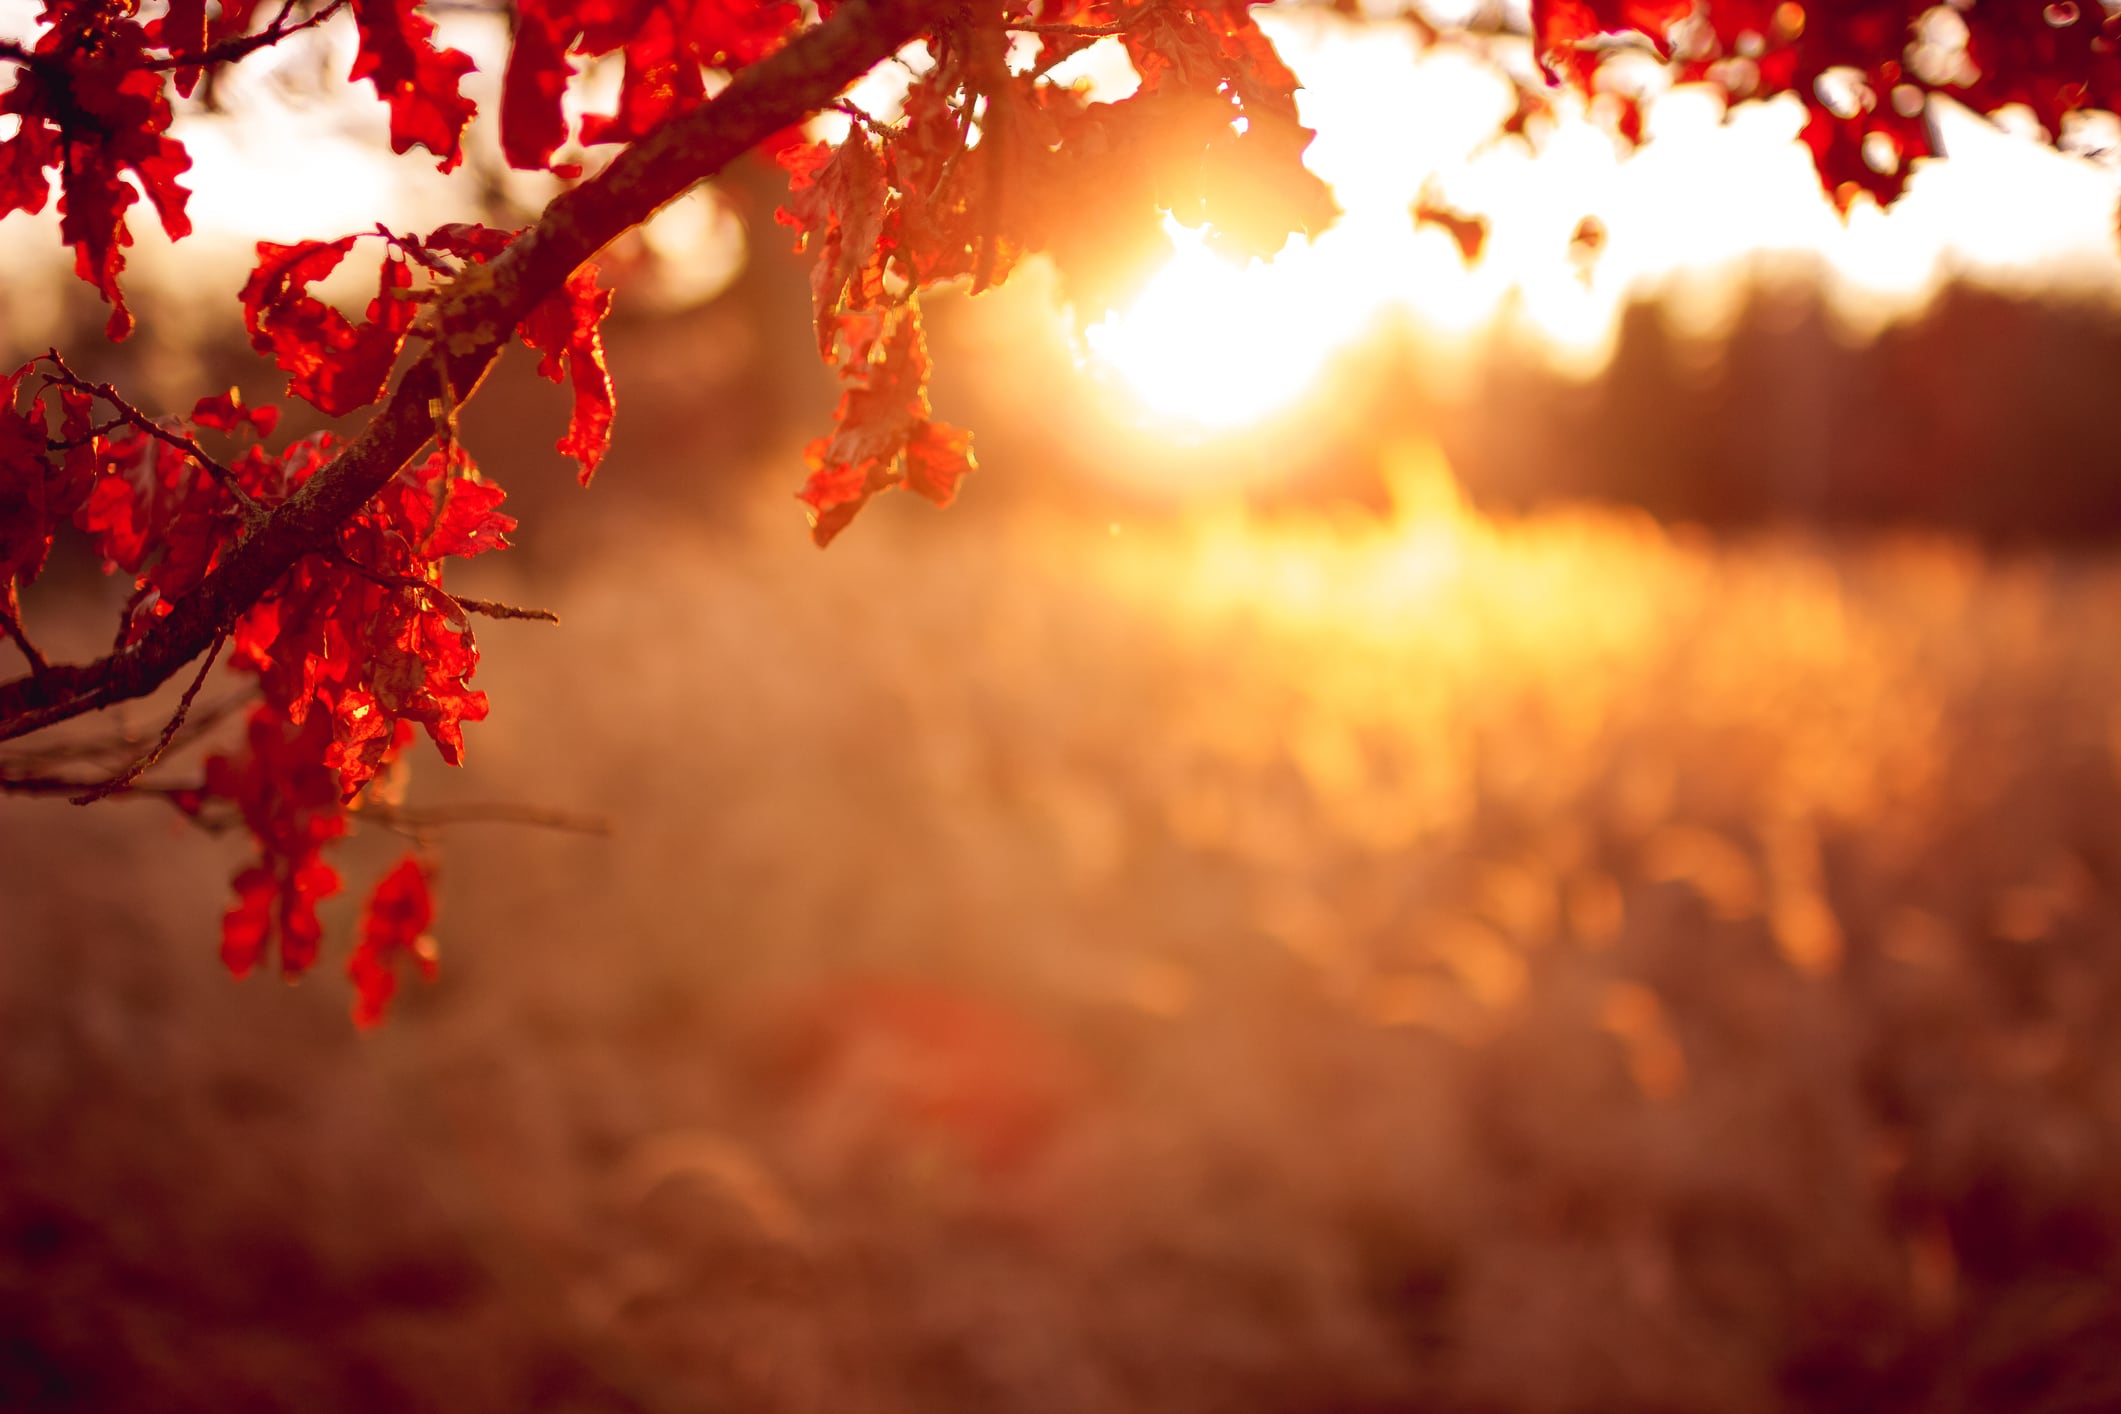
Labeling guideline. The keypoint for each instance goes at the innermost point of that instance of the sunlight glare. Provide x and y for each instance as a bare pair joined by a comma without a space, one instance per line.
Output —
1714,200
1217,344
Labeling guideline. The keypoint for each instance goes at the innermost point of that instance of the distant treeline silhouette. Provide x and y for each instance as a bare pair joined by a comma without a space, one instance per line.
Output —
1990,412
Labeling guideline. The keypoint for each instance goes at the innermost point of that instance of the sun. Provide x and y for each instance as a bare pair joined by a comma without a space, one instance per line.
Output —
1217,345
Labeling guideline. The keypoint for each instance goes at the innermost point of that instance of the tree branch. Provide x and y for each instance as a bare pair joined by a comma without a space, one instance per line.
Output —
11,625
478,315
128,414
126,777
228,51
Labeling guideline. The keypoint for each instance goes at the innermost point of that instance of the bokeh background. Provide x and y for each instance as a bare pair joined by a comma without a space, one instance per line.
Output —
1562,856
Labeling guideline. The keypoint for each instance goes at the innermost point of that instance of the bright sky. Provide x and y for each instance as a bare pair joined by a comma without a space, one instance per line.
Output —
1211,344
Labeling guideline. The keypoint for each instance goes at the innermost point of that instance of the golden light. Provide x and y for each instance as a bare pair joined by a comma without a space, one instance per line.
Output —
1713,202
1217,345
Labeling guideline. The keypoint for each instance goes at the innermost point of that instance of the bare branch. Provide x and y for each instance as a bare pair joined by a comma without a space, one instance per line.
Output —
11,625
493,610
484,310
133,772
228,51
61,785
399,817
100,750
1065,31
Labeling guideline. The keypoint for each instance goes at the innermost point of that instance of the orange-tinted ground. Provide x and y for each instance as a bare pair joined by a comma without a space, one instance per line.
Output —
1434,964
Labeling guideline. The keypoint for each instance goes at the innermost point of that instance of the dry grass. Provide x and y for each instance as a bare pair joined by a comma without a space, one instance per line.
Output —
1556,966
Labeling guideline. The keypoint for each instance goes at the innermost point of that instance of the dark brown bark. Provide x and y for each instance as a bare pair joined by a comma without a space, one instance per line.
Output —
478,318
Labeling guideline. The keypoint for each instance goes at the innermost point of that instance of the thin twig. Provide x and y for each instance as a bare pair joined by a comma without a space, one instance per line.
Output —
125,615
61,785
228,51
862,117
493,610
67,444
198,724
1076,31
1087,34
189,446
133,772
398,817
11,624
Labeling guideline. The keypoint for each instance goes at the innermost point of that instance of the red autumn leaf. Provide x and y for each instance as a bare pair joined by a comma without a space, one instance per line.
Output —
468,240
665,46
836,200
884,436
154,513
662,76
37,494
225,412
330,361
422,84
1563,29
835,491
1217,114
182,30
452,513
93,106
307,884
247,928
938,456
565,330
188,28
728,34
367,640
393,927
290,803
533,123
886,397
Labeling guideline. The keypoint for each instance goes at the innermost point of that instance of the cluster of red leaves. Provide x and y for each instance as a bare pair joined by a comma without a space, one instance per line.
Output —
92,105
352,649
393,927
1864,69
984,164
38,492
421,84
93,102
666,45
340,366
884,436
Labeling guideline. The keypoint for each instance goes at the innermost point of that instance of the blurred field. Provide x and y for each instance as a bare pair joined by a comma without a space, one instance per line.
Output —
1200,964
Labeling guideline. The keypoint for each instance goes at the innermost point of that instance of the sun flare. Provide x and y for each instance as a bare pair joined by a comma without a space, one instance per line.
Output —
1712,201
1218,345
